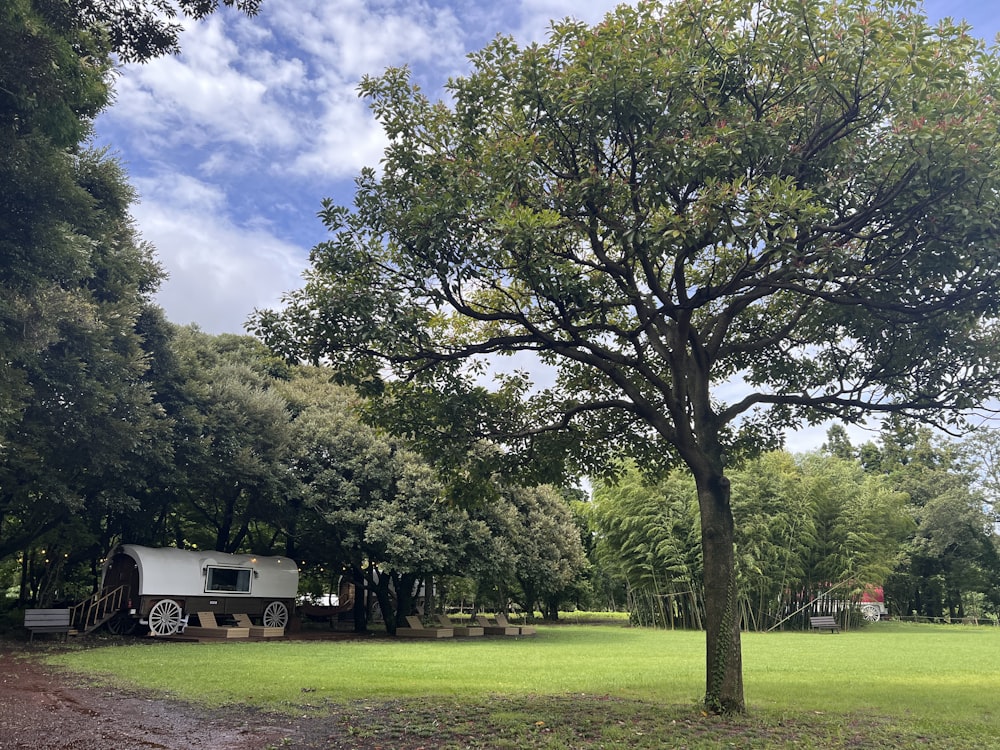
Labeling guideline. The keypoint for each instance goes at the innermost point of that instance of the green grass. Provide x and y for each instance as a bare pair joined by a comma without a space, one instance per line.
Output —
946,672
561,659
906,685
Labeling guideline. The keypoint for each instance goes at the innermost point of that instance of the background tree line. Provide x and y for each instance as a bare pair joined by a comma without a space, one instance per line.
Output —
252,454
911,513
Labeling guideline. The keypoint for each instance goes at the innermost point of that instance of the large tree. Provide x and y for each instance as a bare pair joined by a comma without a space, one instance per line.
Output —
367,502
719,220
75,446
231,442
534,553
78,427
53,81
56,62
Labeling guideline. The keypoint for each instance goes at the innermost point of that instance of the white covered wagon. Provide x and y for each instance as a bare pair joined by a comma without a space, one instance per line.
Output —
163,586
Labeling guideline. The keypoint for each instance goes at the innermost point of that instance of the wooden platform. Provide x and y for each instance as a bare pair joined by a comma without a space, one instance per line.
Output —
492,628
258,632
463,631
207,627
217,634
521,629
416,629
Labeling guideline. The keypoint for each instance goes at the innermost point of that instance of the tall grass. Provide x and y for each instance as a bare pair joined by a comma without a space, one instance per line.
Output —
942,675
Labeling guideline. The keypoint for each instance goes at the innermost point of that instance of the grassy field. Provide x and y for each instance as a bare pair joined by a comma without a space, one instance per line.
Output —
919,686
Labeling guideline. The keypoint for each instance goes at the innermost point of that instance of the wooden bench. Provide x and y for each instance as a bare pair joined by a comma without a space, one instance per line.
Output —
825,622
501,620
47,621
416,629
461,630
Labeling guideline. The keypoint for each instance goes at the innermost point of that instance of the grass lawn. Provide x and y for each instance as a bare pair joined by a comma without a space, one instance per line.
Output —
589,686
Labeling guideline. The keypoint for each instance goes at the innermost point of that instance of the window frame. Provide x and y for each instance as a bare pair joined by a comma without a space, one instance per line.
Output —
240,576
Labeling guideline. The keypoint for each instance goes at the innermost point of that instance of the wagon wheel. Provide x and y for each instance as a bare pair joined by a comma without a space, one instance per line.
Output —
870,612
165,617
121,624
275,615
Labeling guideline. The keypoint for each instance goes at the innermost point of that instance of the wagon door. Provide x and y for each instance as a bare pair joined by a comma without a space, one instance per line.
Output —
123,571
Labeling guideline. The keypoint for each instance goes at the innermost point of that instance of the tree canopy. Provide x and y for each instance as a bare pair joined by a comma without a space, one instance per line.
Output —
717,219
139,30
81,434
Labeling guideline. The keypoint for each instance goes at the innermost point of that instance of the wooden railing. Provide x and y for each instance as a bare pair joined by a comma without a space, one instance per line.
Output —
95,611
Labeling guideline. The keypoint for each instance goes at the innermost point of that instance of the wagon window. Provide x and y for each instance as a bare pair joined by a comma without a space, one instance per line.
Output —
228,579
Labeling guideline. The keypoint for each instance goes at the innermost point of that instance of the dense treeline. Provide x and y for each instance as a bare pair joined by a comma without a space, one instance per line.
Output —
78,423
908,514
116,426
251,454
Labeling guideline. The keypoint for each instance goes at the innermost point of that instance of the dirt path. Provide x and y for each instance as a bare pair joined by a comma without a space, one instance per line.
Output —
41,709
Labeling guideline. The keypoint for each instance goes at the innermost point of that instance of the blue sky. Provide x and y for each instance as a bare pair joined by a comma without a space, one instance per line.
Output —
233,144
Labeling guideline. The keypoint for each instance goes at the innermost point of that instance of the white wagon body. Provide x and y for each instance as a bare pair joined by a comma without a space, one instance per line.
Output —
164,585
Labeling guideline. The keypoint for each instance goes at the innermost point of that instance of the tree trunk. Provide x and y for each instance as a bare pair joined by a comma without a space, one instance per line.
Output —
360,609
724,660
384,597
404,585
51,579
225,526
551,613
24,597
430,606
530,597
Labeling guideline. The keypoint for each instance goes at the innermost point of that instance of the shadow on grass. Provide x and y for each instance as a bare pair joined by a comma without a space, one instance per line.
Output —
589,722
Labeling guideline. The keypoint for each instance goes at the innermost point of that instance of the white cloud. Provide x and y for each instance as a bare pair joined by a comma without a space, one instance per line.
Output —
219,271
340,141
537,15
215,93
359,37
345,41
279,93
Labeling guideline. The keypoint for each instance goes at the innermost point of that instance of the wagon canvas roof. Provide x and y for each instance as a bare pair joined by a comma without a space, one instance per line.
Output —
169,571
